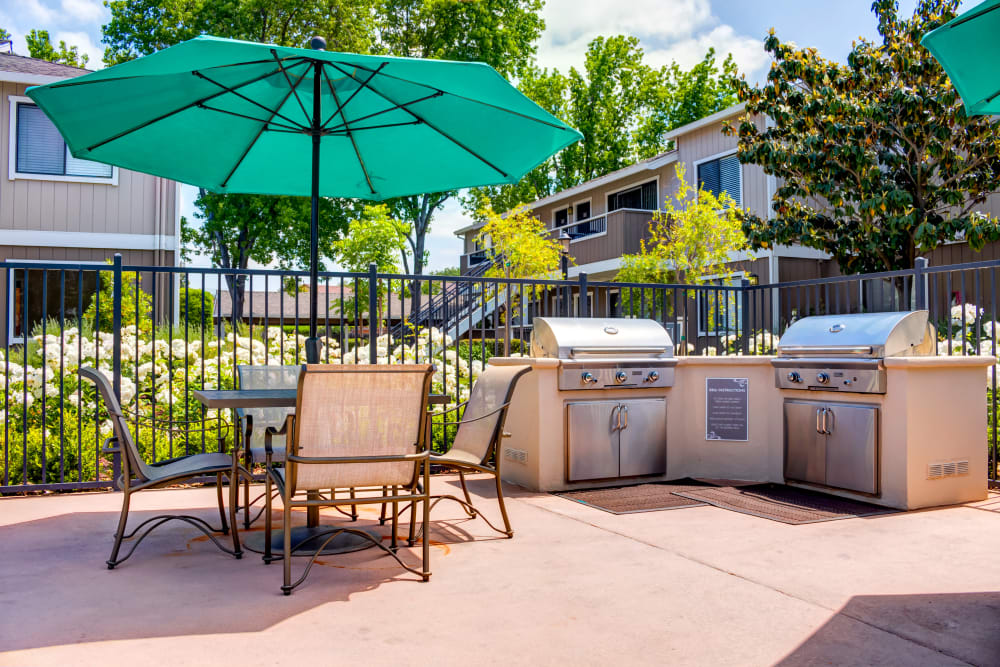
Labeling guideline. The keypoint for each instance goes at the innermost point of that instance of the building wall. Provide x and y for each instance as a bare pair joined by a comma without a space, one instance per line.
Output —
139,204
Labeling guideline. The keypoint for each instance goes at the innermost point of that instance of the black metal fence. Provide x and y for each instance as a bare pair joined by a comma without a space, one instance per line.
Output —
162,332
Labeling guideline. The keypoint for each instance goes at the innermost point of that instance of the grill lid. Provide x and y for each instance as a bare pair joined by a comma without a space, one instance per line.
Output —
862,335
599,338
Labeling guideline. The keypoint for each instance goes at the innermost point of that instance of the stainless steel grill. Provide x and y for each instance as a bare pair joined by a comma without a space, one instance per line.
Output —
846,352
606,353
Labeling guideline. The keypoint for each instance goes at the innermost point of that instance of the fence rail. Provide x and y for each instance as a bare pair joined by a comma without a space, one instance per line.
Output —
162,332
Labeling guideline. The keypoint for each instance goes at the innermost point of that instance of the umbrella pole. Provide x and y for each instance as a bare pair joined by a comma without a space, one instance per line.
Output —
312,343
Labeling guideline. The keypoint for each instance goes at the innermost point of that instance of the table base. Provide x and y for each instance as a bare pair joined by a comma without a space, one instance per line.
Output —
341,544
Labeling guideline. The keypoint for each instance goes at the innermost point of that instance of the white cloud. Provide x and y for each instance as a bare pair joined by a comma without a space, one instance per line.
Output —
86,11
85,44
36,11
681,30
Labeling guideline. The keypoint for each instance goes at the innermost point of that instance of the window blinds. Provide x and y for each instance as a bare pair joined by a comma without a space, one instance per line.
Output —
41,149
721,175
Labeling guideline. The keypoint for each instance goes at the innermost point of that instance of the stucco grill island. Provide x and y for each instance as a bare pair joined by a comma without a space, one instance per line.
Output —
611,409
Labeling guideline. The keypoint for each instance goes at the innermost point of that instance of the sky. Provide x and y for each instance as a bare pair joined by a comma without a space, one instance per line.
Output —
669,30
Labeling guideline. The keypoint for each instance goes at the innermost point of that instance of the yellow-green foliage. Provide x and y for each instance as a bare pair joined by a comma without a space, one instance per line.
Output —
691,236
519,244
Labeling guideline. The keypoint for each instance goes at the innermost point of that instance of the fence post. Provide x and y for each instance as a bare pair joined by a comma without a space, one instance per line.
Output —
584,296
745,315
372,313
919,284
116,355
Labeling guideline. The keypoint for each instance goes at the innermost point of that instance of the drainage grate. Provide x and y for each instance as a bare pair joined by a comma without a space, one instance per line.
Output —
784,503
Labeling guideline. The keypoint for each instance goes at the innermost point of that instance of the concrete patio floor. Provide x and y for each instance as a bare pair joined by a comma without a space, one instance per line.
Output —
694,586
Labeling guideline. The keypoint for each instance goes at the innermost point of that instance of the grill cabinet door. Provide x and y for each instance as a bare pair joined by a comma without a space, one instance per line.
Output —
805,445
852,447
591,440
643,437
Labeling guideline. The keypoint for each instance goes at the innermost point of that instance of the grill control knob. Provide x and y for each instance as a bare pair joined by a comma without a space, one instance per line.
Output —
794,376
588,378
621,376
822,378
652,376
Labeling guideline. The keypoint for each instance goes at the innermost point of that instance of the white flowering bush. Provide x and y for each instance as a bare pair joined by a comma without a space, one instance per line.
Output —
759,342
54,429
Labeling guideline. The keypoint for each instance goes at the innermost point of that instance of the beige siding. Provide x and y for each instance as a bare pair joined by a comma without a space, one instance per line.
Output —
139,204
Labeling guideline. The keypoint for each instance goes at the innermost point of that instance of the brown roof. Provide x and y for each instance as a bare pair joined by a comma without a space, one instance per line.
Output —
11,62
276,304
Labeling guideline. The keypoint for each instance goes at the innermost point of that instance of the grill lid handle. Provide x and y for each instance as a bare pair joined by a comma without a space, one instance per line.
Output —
826,350
617,350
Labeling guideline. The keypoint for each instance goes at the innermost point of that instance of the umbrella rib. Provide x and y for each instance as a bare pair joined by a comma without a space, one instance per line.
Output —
291,128
288,80
340,107
173,112
431,125
251,101
263,127
473,100
350,135
344,130
392,108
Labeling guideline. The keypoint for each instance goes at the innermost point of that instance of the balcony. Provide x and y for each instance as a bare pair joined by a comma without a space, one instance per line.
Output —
606,236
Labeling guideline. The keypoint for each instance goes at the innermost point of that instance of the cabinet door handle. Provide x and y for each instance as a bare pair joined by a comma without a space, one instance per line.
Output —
624,411
828,426
616,424
819,420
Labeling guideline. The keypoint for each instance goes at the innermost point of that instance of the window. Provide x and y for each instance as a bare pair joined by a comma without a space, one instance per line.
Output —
583,210
641,197
561,217
40,152
722,175
719,310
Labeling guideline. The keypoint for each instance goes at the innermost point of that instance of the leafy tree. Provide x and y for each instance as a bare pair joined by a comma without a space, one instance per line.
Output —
693,234
237,229
623,107
4,35
40,46
876,159
196,307
435,287
518,245
373,238
137,305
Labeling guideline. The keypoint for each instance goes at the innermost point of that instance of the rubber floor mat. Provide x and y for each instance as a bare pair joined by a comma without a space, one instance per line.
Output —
640,498
784,503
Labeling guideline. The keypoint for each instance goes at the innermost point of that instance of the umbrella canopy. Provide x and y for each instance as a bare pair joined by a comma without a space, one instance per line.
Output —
234,116
968,49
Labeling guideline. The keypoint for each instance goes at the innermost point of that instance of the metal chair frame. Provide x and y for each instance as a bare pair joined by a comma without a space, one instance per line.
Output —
138,475
416,491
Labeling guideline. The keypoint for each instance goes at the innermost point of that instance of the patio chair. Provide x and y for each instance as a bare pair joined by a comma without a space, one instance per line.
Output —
138,475
357,426
480,431
256,421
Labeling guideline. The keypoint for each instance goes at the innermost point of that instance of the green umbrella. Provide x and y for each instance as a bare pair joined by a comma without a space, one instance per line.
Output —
968,49
234,116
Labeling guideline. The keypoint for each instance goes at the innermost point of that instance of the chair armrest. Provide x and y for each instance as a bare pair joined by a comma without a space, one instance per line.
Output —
111,450
444,412
271,431
394,458
475,419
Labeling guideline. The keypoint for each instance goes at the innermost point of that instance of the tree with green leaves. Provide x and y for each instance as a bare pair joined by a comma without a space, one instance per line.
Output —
876,160
40,46
621,105
4,35
375,237
517,245
238,229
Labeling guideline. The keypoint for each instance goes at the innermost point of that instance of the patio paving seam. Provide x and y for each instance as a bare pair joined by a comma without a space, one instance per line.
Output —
819,605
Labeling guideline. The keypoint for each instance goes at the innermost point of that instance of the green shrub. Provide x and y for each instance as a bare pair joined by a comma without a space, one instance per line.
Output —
196,307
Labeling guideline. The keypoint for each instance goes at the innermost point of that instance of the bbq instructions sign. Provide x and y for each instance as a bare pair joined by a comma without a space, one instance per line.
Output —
727,409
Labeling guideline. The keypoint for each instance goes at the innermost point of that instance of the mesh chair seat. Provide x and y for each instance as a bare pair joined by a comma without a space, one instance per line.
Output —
259,454
196,464
457,457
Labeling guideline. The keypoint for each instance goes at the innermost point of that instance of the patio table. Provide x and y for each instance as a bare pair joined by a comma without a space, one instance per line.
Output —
233,399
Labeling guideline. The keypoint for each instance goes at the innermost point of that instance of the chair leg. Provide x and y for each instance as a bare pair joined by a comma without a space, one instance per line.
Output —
468,498
503,508
222,504
354,508
248,464
267,519
426,539
286,525
381,518
122,521
234,499
395,520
